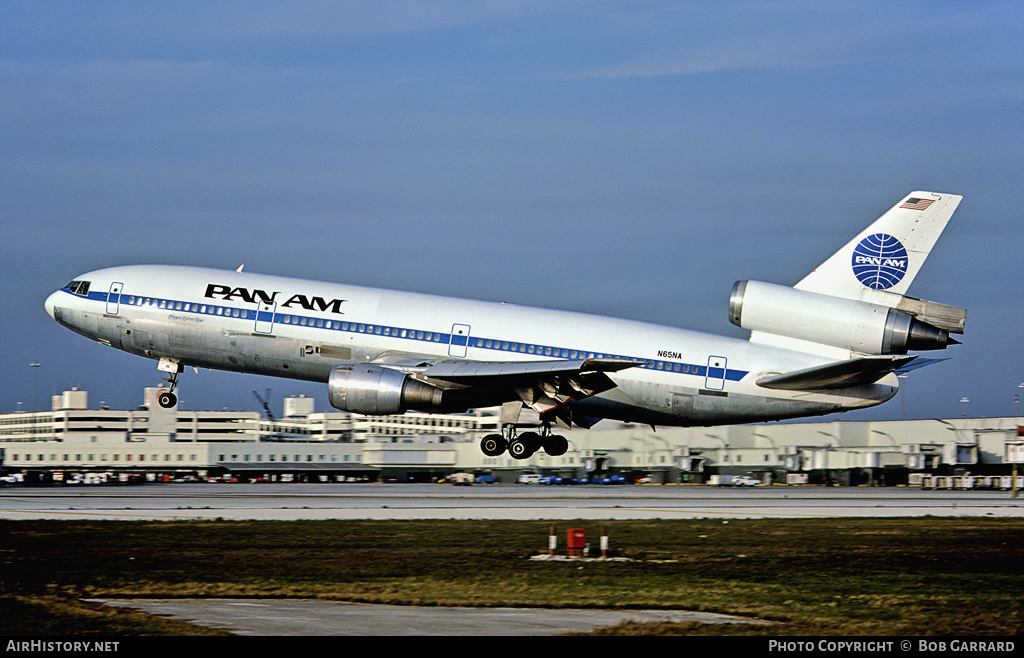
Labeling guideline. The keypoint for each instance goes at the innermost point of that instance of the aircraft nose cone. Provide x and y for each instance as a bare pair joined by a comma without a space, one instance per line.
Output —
50,302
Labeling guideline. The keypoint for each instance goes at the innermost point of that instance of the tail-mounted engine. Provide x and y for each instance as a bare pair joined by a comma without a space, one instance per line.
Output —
377,391
845,323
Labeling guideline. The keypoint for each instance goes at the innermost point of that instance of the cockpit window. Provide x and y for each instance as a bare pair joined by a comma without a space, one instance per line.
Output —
79,287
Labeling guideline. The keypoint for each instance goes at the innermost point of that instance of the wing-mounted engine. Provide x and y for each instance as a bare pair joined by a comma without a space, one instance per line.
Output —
849,324
376,391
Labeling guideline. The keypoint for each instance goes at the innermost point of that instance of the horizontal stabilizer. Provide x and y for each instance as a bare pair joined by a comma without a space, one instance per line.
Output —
858,371
920,362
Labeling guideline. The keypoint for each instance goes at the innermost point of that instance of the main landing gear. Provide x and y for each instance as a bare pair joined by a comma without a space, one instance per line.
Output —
525,445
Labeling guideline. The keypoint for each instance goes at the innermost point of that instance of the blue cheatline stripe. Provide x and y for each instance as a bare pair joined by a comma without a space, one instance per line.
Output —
405,333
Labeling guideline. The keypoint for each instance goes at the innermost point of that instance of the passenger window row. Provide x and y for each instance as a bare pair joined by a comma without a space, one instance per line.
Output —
82,288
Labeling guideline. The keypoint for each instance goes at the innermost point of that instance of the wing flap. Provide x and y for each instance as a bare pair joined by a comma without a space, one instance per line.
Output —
858,371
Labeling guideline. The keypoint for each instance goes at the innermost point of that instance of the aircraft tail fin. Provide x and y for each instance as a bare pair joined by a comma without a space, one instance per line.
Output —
887,255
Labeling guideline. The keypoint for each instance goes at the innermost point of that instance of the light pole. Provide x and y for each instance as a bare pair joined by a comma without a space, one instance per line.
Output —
1013,477
35,366
903,396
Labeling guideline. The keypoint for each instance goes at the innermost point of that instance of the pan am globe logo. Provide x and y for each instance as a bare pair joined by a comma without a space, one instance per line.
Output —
880,261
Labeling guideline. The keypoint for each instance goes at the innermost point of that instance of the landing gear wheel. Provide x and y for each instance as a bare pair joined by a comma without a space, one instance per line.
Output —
532,439
166,399
556,445
493,445
524,445
518,450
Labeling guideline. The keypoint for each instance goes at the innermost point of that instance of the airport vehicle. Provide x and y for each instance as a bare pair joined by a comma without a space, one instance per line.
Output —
734,481
832,342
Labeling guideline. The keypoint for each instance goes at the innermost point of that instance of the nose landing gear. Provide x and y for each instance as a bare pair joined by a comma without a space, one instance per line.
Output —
166,398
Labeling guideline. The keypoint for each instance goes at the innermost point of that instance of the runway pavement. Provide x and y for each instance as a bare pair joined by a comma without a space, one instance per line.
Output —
292,617
518,502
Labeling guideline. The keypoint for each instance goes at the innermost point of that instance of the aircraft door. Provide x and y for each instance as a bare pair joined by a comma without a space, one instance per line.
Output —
114,298
714,380
265,317
459,341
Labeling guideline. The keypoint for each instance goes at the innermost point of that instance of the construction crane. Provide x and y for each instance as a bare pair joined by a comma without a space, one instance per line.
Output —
265,401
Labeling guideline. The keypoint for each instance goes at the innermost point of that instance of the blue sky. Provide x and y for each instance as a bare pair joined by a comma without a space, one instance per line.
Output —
624,158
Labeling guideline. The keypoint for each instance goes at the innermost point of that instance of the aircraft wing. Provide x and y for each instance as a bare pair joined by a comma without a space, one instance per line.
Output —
545,386
858,371
490,372
469,372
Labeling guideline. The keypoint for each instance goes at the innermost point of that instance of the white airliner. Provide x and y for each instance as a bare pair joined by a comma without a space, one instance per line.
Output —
833,342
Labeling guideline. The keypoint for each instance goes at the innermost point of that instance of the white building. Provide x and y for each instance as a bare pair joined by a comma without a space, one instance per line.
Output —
71,438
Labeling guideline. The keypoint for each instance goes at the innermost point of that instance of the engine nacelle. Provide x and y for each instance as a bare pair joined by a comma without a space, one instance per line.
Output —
827,320
377,391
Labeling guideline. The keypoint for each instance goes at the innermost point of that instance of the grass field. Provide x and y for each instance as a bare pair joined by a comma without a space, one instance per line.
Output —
921,576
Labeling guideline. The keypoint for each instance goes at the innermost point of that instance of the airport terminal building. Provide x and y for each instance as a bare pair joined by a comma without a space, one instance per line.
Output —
73,443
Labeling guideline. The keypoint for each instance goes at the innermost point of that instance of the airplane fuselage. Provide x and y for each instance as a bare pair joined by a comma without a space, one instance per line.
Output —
302,329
